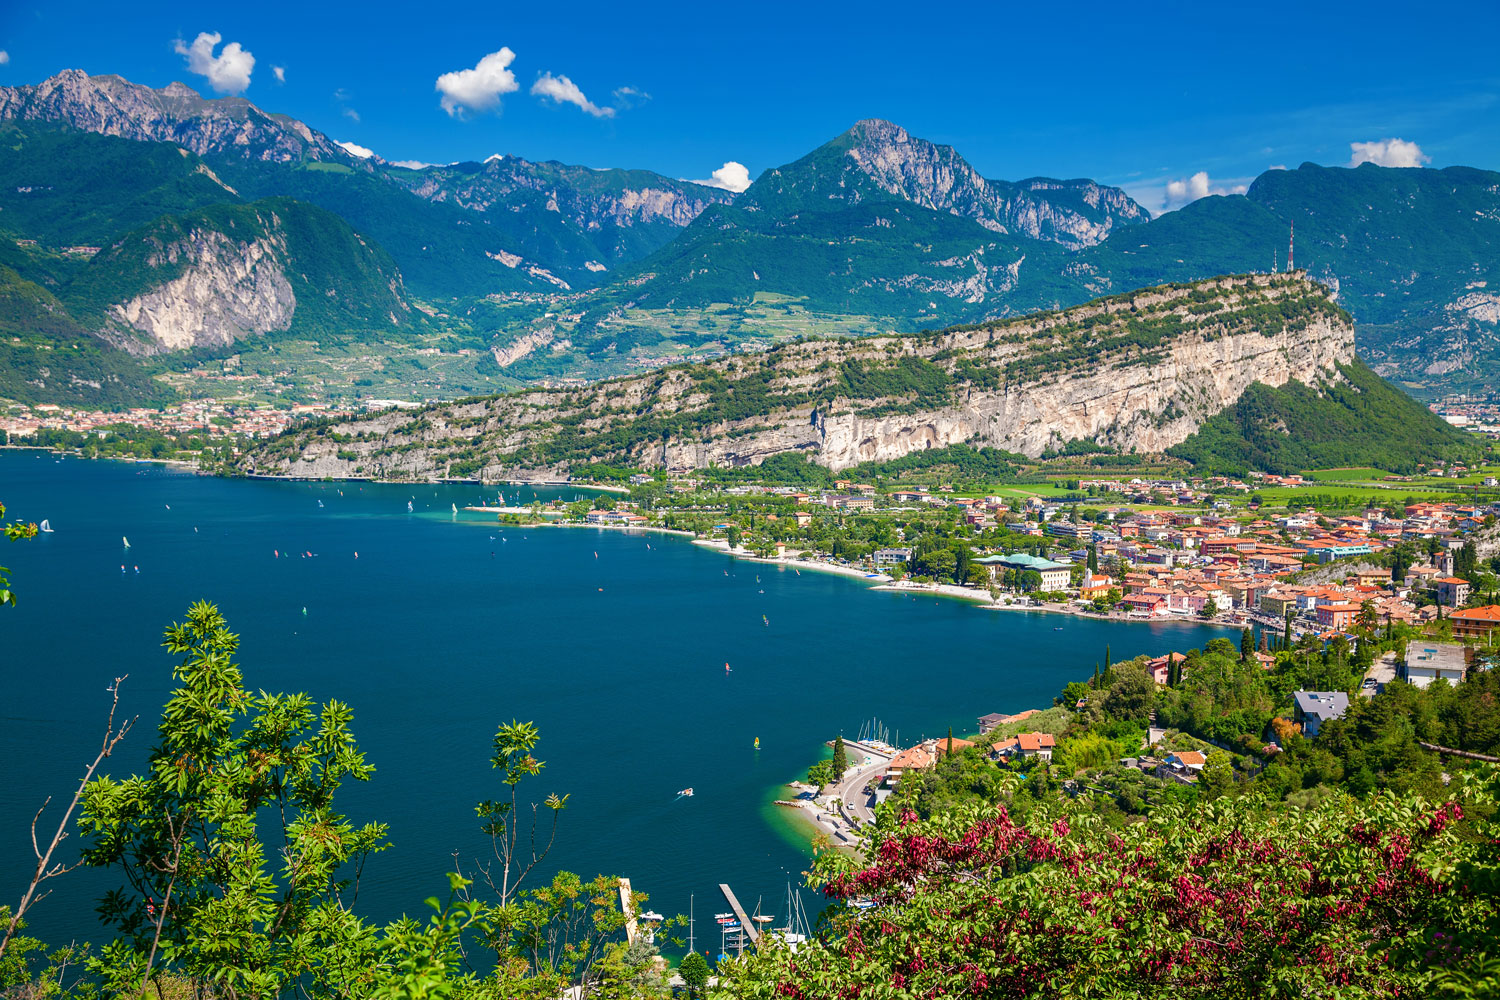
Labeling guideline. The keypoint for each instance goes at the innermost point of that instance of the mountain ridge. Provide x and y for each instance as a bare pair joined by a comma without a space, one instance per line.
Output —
1141,371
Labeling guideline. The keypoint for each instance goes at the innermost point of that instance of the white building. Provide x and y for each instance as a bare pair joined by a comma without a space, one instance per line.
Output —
1431,661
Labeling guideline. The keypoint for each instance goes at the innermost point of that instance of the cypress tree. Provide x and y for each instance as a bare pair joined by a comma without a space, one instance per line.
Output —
950,741
840,756
1286,637
1106,658
1247,643
1095,682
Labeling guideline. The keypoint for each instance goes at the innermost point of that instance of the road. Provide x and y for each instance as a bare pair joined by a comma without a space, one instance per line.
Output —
856,805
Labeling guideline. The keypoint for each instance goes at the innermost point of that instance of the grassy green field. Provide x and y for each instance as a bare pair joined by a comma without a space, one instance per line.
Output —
1365,474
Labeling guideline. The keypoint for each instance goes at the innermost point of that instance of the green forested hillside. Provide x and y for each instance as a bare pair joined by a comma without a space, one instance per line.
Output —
46,357
65,187
1362,420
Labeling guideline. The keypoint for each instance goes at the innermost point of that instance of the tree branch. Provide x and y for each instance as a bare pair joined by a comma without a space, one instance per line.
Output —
112,738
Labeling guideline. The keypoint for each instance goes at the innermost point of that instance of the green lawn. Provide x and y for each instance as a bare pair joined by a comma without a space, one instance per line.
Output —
1365,474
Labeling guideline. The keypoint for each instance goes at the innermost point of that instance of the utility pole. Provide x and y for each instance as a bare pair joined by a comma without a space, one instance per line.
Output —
690,923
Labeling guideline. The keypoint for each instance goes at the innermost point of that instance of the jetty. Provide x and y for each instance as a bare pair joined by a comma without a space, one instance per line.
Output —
747,926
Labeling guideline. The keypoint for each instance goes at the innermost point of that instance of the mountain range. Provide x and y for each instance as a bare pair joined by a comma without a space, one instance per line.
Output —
196,206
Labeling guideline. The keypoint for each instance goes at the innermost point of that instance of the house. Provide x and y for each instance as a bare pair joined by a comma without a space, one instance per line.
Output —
1182,766
1451,590
1479,622
911,759
1340,617
640,478
991,722
1023,745
1313,708
1160,667
890,557
1432,661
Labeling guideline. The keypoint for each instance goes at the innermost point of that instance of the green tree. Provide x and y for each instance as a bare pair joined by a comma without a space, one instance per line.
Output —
1131,693
202,893
1210,609
1217,776
821,775
1247,644
840,756
694,972
733,534
505,822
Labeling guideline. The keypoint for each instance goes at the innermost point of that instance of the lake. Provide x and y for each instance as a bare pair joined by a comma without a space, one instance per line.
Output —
614,644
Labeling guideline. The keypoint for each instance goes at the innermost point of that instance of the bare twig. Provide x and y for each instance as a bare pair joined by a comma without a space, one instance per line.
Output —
44,868
178,836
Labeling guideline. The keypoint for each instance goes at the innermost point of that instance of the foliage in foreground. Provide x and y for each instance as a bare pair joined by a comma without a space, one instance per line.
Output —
1234,898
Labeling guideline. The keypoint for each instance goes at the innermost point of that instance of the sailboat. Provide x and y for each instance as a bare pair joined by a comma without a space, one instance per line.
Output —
798,927
125,540
455,507
46,525
408,507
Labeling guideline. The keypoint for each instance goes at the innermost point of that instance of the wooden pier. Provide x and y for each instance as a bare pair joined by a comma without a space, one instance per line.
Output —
746,924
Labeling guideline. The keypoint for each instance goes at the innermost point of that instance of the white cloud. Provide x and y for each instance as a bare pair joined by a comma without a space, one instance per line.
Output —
480,88
565,91
1277,166
280,72
355,149
1189,189
351,114
732,176
1387,153
4,57
412,164
228,72
629,97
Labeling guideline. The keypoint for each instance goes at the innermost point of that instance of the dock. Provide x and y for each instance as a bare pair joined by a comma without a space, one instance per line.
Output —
746,924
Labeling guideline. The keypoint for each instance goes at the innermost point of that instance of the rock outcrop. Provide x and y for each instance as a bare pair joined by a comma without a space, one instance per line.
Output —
1138,372
227,292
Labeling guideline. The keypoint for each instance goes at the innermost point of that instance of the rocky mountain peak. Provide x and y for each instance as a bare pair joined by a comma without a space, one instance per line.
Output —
876,158
111,105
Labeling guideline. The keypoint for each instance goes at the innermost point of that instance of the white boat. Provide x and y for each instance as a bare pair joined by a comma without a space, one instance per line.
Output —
408,507
685,793
125,540
46,525
455,507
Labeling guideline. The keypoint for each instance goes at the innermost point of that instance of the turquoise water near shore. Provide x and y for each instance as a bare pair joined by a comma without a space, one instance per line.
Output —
613,643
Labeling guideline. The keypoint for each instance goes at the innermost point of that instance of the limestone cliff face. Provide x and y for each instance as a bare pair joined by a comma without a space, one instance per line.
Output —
227,291
1138,372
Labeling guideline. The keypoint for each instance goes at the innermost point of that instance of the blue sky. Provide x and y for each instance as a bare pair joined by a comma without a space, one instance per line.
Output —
1206,97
